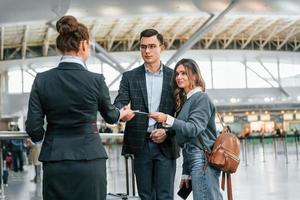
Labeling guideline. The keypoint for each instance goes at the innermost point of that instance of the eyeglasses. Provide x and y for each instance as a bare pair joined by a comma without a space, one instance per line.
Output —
149,46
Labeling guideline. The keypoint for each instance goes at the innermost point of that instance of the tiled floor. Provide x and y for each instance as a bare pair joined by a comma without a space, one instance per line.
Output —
263,178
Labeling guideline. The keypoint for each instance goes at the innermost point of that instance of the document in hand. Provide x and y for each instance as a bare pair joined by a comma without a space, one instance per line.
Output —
140,112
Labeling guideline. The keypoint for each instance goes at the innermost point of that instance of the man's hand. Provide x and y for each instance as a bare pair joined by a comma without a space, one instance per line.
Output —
158,135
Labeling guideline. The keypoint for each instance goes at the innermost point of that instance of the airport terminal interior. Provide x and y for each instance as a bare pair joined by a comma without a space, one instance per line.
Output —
248,52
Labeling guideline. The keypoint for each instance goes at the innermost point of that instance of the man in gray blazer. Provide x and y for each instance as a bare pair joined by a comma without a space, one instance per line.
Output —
148,88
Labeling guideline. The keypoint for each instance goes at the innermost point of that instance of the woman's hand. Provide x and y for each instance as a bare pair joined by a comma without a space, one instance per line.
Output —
184,183
158,116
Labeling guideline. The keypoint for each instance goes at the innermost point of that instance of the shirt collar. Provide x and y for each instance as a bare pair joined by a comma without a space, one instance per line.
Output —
73,59
158,72
193,91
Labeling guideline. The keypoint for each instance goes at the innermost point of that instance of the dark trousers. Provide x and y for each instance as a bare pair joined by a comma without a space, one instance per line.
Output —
154,173
17,160
5,176
74,180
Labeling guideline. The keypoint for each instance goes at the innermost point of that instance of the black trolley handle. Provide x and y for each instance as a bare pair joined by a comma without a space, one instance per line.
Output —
131,156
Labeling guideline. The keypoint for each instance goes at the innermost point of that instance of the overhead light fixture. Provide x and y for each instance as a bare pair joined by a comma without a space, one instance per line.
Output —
111,11
234,100
267,99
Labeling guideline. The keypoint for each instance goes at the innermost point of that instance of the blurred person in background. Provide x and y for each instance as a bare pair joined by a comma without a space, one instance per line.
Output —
34,152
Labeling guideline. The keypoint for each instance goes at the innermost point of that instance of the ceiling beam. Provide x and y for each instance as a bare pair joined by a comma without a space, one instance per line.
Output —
46,42
288,36
223,27
115,30
14,53
258,30
239,30
94,28
24,42
276,30
202,30
135,30
296,47
183,24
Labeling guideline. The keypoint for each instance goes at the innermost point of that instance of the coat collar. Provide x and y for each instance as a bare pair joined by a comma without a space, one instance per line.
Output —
70,66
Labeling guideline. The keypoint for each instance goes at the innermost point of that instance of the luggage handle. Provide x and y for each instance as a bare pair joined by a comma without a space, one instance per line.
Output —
129,156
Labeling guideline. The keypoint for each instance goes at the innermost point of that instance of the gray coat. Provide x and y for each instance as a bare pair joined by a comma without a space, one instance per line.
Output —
196,118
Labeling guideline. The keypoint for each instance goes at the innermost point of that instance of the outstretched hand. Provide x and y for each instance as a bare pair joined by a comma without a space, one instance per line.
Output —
126,114
158,116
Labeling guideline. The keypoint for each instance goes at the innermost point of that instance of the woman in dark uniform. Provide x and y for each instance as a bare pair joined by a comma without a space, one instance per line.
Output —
69,96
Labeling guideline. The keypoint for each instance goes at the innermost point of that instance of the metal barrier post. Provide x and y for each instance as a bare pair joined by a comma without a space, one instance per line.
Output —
296,147
285,149
245,147
253,148
275,147
1,174
263,148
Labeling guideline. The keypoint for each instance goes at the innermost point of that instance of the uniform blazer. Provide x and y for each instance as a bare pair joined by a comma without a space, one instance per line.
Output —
69,96
133,90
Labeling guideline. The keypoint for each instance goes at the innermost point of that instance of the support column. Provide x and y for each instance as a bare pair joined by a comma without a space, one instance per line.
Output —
211,72
246,74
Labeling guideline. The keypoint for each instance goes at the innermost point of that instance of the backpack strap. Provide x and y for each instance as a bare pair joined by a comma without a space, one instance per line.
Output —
229,188
227,176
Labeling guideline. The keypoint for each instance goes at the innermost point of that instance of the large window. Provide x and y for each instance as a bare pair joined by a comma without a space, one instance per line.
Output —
228,75
15,81
260,78
290,75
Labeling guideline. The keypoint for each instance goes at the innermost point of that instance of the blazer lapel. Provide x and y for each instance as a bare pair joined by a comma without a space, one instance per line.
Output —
164,92
143,86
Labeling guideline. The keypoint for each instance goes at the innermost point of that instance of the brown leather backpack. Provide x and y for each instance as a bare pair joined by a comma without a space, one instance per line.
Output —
224,156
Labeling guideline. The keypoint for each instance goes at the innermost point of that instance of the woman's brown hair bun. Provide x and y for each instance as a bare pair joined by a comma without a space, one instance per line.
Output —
66,25
71,33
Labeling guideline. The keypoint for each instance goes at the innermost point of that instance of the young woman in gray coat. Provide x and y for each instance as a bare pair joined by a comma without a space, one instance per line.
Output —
195,121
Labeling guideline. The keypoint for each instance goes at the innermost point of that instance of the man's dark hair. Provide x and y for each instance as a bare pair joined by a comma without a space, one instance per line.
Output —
152,32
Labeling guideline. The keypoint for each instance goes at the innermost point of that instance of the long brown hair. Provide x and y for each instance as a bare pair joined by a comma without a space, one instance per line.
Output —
71,33
192,70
